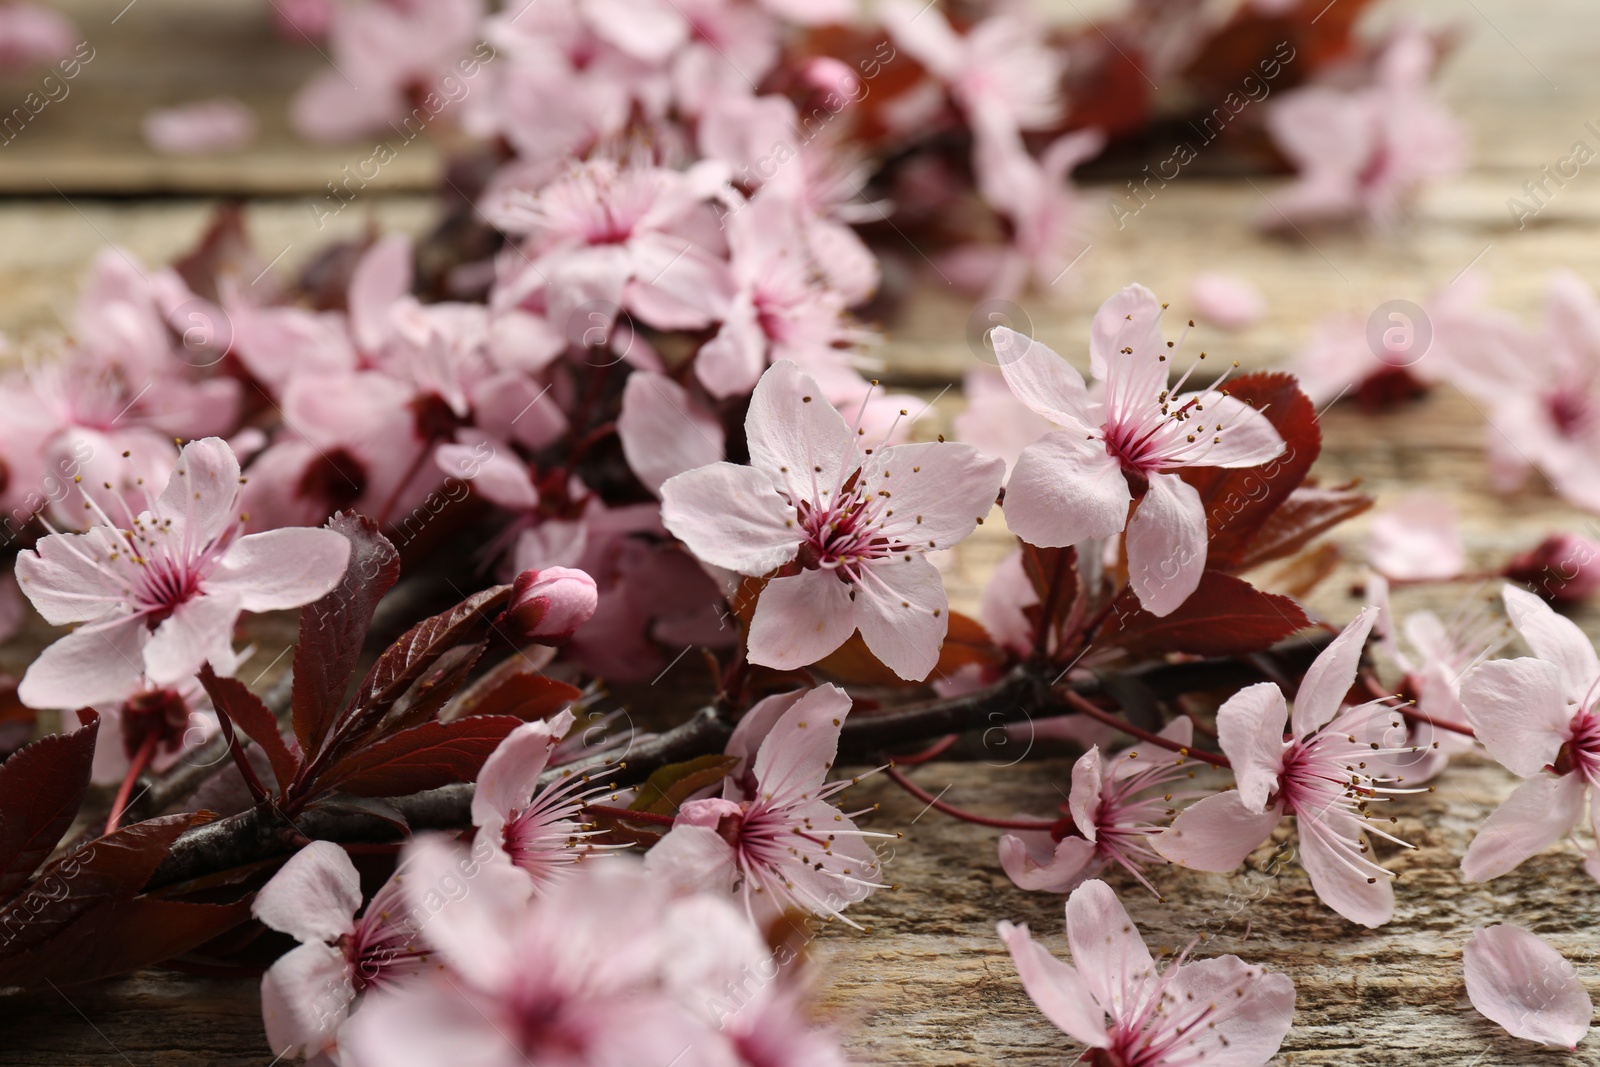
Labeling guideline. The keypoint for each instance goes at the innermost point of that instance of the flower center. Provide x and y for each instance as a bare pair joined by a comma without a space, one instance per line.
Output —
1581,752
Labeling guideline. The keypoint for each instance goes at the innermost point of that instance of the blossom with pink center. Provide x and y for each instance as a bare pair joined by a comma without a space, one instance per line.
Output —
1113,999
159,596
786,846
1123,451
1115,815
308,994
1539,716
541,831
1368,152
1417,539
173,719
850,526
1519,981
1324,775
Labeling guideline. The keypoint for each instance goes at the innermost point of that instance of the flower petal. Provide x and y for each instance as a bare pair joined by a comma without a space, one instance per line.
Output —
1166,544
1215,834
1066,488
281,569
1057,988
467,905
502,479
1055,867
1131,318
510,775
1539,813
939,490
1106,948
1250,726
1252,1010
1365,898
95,664
1519,981
197,632
1083,800
731,516
72,577
1245,438
795,756
800,619
313,897
663,431
1556,639
795,433
305,998
903,614
754,726
1517,709
1042,380
1332,674
203,492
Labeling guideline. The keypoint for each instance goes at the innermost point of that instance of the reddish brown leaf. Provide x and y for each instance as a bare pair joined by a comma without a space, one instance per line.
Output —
424,700
511,689
41,789
234,699
666,790
423,757
1308,513
1225,616
332,629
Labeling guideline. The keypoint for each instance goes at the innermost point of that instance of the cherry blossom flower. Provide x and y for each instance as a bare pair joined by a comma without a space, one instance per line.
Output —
1113,813
538,830
1078,483
858,523
1366,153
160,594
1417,539
786,846
1517,980
1323,775
1538,716
1226,300
308,994
1216,1011
199,128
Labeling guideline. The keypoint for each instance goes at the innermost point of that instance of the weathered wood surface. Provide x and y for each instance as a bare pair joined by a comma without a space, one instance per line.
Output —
931,984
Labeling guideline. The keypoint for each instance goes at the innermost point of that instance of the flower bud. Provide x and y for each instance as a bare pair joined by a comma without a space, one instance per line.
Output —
548,605
1563,568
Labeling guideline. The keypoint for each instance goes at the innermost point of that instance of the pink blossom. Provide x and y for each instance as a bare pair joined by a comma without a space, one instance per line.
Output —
1367,152
1216,1011
1321,775
180,716
1226,300
1538,717
1517,980
995,421
548,605
308,994
1417,539
785,846
160,593
1563,568
813,496
200,128
302,20
1080,482
664,431
1114,818
33,34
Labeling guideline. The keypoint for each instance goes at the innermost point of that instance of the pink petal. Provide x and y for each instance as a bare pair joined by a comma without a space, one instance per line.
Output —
203,491
1250,726
692,859
94,664
1106,947
305,997
1056,868
903,614
1556,639
731,516
731,362
1250,1021
329,109
1518,712
1247,439
1418,538
1226,300
1131,318
281,568
510,775
501,478
663,431
200,128
790,425
198,631
1064,490
1332,674
754,727
800,619
939,490
1166,544
1042,380
1083,799
645,29
1361,897
1058,989
382,276
1215,834
795,756
1539,813
69,577
314,897
470,906
926,35
1519,981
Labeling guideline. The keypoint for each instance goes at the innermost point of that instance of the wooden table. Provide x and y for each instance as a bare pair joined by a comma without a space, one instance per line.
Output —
931,983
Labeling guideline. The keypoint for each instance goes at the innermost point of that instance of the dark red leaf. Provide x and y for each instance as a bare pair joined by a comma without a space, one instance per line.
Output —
1239,501
234,699
1225,616
512,689
666,790
332,629
423,757
424,700
41,789
1309,512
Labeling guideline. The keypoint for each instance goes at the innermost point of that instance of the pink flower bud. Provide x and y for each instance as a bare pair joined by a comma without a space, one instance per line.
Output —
548,605
1563,568
827,75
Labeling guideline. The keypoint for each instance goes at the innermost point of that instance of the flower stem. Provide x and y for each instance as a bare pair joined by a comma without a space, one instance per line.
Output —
141,760
960,813
1078,703
933,751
